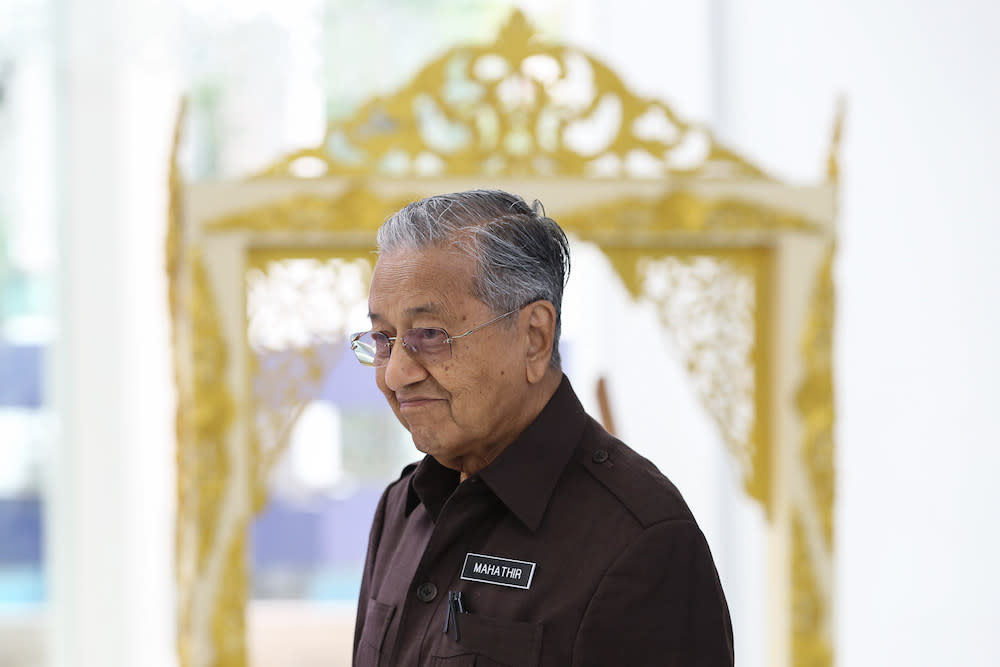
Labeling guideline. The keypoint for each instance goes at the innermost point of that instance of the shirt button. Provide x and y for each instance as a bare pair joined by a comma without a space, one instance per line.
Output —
427,592
600,456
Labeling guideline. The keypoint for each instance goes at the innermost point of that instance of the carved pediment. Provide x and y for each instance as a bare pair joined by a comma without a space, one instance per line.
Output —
517,107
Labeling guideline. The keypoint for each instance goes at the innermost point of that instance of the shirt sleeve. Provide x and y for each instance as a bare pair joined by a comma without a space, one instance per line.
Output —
660,603
374,537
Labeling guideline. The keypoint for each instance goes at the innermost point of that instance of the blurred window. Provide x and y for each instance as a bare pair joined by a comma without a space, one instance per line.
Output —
27,253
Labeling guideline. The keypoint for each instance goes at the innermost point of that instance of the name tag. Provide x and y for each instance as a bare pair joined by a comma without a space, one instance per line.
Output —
499,571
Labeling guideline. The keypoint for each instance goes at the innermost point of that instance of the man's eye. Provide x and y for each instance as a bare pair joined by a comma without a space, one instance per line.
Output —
429,335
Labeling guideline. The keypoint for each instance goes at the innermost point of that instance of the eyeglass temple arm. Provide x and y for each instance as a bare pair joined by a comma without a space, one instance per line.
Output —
484,324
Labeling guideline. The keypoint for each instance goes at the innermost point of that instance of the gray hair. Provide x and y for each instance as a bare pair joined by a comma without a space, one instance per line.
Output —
521,255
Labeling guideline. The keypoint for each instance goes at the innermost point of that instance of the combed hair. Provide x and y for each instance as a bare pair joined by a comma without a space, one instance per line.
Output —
521,254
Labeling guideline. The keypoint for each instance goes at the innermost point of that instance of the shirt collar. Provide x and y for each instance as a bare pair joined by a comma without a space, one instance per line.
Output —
430,484
525,474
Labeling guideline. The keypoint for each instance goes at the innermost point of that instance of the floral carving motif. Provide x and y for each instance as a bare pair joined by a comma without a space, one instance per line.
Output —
708,305
815,397
297,315
811,646
516,107
357,209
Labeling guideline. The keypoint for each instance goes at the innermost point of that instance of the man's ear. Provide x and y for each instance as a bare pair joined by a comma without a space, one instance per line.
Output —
541,334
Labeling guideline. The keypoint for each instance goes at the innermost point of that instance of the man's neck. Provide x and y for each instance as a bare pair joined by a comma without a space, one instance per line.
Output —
540,393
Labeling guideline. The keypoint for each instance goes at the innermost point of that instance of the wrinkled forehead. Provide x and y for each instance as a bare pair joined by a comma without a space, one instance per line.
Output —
435,280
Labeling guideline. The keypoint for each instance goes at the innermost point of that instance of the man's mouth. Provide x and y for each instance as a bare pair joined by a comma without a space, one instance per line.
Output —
414,402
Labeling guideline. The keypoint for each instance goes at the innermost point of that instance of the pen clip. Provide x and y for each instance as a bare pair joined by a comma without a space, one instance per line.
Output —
455,607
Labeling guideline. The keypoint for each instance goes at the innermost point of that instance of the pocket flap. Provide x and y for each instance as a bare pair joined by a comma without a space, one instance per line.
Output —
377,618
514,643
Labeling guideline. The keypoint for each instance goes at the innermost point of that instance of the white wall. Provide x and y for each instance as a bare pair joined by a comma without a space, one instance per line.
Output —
919,288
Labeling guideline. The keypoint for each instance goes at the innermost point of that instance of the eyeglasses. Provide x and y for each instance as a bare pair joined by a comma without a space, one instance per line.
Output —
431,345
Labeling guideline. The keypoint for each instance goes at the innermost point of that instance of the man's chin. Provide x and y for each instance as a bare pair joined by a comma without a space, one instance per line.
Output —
442,453
425,445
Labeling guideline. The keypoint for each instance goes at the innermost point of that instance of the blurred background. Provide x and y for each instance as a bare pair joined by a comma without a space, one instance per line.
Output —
89,91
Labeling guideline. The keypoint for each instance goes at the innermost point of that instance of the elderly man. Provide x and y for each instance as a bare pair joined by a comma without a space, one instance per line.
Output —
527,535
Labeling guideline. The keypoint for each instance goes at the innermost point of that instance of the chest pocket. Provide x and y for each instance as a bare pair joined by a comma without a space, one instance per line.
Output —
492,642
377,618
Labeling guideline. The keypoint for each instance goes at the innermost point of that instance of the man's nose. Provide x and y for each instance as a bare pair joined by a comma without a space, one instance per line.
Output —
402,369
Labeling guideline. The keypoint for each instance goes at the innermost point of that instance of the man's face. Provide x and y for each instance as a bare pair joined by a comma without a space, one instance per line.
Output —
463,409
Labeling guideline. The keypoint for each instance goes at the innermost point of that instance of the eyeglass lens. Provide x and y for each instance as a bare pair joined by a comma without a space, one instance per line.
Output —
431,345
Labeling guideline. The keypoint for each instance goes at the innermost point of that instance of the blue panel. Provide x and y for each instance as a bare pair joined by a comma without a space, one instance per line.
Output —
284,535
325,531
352,385
20,375
347,383
345,524
20,531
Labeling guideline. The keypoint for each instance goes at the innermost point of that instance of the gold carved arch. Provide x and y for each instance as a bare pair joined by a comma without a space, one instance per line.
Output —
664,201
517,107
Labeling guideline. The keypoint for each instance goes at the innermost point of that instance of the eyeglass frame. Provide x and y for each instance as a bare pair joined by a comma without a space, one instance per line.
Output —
448,338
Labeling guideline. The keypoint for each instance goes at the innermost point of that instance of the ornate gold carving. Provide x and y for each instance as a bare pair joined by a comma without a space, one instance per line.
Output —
811,645
357,209
709,304
210,543
211,596
811,606
172,246
833,153
516,107
815,397
186,521
295,302
298,311
282,387
637,221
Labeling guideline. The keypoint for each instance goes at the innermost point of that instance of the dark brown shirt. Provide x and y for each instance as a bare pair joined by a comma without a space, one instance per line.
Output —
568,549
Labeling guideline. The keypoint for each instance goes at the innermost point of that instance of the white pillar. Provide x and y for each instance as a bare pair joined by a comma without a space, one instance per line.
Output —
111,482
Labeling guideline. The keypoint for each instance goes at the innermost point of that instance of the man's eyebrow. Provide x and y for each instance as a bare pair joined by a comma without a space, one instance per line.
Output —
422,309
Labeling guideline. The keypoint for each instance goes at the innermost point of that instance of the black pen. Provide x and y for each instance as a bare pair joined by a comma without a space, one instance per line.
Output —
455,607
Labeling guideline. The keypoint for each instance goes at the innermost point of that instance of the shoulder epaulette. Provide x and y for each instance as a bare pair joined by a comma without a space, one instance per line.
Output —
640,487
